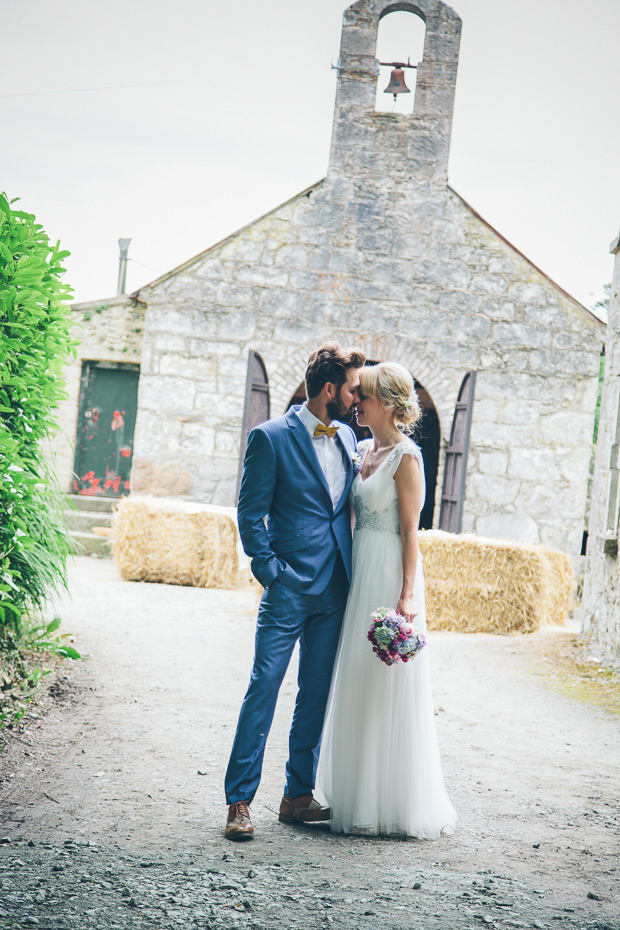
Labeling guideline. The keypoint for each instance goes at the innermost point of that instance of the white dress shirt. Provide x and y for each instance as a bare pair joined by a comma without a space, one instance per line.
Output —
329,454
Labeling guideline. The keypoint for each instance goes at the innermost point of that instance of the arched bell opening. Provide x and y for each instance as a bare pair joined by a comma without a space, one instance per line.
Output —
400,41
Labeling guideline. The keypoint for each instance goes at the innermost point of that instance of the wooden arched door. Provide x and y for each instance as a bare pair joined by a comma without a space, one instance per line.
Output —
256,408
455,467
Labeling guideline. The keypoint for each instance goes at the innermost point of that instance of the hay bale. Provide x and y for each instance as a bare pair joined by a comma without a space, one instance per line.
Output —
172,543
561,585
490,585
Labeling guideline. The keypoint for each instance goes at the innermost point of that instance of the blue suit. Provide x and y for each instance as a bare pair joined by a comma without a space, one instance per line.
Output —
301,554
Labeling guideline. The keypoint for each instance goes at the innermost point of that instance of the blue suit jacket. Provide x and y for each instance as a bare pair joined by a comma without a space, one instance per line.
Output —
283,481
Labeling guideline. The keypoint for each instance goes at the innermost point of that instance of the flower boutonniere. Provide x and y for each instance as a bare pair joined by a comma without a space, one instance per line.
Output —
356,458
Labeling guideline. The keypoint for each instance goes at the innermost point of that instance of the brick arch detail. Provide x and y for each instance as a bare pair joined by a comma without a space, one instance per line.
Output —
442,387
286,371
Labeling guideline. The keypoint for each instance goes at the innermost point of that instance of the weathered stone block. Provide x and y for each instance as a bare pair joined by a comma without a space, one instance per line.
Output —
501,489
201,368
493,463
519,526
166,394
521,334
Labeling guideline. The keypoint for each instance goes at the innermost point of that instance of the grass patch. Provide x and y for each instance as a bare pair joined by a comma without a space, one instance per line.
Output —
20,677
24,663
567,665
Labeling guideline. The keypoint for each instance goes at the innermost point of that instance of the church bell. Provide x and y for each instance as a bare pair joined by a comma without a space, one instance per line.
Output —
397,83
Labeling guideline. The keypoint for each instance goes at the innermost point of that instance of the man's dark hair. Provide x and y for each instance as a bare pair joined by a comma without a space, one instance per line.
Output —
330,363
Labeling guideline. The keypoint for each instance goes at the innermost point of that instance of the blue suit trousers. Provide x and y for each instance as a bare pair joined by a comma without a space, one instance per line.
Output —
284,617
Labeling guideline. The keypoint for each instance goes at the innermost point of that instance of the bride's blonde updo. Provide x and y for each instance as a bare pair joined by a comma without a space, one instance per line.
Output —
392,385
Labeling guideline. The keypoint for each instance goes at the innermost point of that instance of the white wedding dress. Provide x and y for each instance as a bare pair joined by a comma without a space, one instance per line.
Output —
380,767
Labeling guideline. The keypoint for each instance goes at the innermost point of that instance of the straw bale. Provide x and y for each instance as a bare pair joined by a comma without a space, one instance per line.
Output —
561,585
475,584
154,540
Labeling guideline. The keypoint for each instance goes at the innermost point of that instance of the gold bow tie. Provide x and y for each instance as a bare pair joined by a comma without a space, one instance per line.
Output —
322,430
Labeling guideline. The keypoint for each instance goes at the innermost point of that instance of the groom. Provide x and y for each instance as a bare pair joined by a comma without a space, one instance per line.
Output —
298,471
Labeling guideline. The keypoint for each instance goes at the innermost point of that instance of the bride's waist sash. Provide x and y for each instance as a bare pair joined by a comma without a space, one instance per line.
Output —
379,521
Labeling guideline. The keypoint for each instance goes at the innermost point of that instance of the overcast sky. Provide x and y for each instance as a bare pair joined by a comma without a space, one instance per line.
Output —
221,110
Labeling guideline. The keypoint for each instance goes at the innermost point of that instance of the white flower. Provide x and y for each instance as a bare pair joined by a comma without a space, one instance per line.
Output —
357,461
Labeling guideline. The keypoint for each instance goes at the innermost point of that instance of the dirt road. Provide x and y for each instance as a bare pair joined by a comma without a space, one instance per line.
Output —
112,810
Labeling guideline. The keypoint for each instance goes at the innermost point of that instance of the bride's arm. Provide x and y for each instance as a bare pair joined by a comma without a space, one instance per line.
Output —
409,492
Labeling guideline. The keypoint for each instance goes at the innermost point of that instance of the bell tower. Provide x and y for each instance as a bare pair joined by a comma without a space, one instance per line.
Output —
391,145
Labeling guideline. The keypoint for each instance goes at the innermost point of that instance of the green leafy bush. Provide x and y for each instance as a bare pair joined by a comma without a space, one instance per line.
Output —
35,343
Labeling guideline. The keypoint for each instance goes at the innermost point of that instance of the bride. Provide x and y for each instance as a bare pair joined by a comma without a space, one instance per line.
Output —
380,767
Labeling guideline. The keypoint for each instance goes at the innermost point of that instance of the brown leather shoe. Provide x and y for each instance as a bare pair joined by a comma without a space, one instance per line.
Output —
239,826
304,809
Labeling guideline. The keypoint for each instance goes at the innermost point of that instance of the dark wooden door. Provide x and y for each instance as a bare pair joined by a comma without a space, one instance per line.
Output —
455,468
256,409
106,422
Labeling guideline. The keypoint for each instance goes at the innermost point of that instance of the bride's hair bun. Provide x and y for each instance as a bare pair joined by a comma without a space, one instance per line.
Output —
392,385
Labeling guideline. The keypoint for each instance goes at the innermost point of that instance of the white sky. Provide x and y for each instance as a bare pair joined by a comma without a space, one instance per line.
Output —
237,112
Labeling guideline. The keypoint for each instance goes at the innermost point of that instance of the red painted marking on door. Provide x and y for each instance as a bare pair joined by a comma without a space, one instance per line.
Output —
117,420
92,489
125,452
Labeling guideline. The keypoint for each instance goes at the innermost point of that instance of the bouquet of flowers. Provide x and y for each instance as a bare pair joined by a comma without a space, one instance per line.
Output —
393,638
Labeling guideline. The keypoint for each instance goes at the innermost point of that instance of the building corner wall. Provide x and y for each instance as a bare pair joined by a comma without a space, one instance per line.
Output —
601,596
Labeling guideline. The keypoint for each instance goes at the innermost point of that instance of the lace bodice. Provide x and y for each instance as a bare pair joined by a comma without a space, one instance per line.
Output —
374,500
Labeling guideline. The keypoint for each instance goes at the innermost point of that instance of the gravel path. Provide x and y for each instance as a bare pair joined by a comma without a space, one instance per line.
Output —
112,810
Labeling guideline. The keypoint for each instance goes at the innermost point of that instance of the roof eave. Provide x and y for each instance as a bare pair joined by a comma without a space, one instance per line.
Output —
195,258
507,242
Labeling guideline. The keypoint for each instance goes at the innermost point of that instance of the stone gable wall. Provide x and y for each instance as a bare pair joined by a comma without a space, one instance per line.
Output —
464,299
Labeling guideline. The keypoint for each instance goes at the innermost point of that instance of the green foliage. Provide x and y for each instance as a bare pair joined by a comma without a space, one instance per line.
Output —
35,343
600,305
603,304
21,672
38,638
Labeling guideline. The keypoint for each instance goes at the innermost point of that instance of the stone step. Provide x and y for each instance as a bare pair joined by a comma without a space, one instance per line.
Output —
89,544
83,520
86,502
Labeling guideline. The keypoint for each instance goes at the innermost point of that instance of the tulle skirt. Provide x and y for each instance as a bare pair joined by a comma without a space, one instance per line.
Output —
380,766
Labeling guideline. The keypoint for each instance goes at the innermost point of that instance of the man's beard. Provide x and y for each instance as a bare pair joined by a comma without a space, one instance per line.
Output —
336,410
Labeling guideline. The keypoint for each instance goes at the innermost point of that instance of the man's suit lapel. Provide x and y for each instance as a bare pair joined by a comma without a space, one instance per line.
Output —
304,442
349,466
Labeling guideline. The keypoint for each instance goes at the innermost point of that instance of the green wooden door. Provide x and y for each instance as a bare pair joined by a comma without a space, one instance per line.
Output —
106,421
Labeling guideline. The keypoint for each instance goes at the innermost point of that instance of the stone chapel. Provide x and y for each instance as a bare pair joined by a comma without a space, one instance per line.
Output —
384,254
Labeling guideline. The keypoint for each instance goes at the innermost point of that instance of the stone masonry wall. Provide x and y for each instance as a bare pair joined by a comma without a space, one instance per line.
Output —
601,595
468,301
